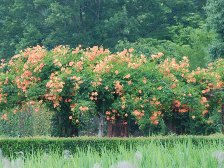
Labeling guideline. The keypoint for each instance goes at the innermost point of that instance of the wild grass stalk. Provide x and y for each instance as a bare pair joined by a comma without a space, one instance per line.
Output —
178,155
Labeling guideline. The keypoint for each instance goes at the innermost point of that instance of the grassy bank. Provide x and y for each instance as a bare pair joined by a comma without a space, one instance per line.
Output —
182,154
169,151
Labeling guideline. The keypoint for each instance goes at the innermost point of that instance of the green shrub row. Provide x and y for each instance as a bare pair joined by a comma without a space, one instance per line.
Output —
28,145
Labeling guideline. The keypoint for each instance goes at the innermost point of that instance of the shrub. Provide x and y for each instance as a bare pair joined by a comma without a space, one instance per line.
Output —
157,93
45,144
31,120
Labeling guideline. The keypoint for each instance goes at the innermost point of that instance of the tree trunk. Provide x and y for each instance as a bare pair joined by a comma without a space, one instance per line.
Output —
101,126
222,116
117,128
171,126
74,131
62,127
109,129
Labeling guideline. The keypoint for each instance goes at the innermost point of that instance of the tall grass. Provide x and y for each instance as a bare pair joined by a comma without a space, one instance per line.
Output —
153,155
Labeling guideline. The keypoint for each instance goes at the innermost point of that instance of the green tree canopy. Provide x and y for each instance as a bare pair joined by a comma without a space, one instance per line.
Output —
26,23
215,19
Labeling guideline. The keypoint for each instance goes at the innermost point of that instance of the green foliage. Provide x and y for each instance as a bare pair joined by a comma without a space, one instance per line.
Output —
149,46
158,93
176,28
216,50
26,23
144,155
215,22
44,144
186,41
31,120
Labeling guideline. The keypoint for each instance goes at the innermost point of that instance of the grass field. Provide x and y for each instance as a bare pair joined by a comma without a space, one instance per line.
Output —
153,155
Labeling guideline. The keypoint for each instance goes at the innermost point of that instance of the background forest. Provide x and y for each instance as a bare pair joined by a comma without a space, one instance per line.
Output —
175,27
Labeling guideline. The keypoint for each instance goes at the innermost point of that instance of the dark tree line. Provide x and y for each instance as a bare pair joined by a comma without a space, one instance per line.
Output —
25,23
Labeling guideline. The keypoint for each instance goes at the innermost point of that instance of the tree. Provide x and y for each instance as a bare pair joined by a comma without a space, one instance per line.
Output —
215,21
26,23
154,93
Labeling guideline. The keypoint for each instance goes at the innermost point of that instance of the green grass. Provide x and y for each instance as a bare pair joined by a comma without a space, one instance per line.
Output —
154,155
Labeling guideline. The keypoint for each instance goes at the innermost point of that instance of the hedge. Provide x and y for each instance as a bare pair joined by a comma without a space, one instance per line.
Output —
29,145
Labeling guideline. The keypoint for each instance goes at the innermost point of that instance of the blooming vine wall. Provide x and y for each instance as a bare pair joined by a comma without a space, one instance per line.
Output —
154,91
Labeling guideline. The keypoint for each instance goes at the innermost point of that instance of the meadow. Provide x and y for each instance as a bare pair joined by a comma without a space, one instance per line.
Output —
180,153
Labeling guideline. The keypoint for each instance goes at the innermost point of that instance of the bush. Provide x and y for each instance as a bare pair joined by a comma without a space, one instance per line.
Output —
31,120
45,144
156,93
186,41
